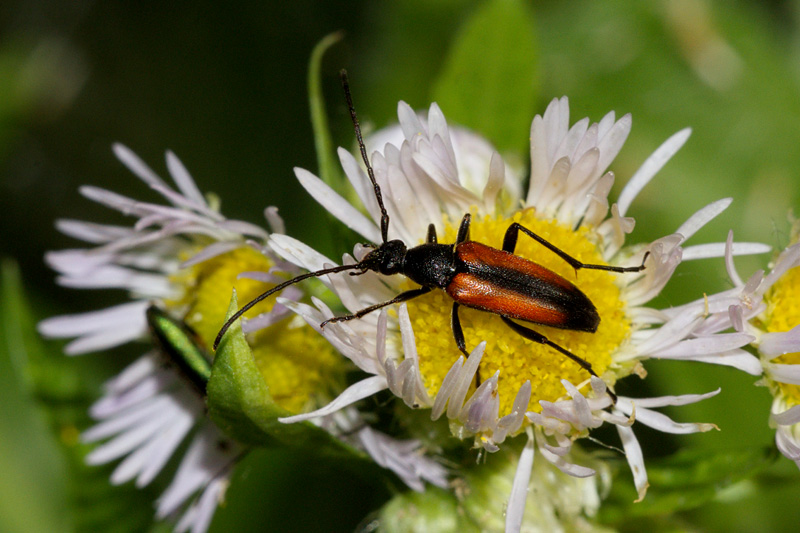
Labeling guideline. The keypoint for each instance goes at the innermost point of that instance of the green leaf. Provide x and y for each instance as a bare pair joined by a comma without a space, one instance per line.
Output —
685,481
329,170
489,79
240,403
46,397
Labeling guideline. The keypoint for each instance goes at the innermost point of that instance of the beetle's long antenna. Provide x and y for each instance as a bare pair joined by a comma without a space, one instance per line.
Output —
370,172
238,314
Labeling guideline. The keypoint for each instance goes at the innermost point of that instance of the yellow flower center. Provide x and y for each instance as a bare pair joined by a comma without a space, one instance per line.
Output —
519,359
297,364
783,313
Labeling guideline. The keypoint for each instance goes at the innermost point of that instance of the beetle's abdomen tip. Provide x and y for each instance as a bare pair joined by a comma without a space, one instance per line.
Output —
584,318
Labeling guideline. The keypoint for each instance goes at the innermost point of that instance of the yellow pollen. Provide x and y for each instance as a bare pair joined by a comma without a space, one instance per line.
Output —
208,287
782,314
298,365
517,358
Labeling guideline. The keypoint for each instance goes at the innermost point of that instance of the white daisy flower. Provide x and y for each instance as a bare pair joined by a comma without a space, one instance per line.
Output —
412,352
766,306
146,413
188,257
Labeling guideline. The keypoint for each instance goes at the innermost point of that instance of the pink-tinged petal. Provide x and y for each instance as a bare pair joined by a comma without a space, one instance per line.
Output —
91,232
243,228
579,404
690,348
358,391
186,184
775,344
571,469
465,379
136,165
298,253
446,389
212,250
739,359
788,259
519,488
730,267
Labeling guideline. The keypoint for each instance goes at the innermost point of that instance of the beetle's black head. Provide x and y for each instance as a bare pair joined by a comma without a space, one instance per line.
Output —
389,258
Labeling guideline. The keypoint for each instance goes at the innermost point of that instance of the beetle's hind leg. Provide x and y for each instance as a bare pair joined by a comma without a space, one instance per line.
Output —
458,335
510,244
538,337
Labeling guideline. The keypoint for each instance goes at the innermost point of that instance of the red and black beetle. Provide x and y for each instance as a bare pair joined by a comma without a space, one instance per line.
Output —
472,274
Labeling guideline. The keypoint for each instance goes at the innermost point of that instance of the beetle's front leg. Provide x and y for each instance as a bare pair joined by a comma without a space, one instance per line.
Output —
402,297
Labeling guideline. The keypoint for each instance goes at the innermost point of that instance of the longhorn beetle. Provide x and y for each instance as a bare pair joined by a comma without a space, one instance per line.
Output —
472,274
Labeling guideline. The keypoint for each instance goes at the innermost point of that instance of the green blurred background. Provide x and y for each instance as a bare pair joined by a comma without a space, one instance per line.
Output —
224,87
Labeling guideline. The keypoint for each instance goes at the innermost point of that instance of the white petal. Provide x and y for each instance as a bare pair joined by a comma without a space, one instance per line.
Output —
787,418
212,250
136,165
635,458
519,488
337,206
650,168
184,180
353,393
702,217
717,249
775,344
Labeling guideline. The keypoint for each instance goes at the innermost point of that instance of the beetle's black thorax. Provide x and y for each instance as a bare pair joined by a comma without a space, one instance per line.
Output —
430,264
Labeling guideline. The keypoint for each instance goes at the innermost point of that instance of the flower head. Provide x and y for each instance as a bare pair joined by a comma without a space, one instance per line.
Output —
185,258
507,378
765,306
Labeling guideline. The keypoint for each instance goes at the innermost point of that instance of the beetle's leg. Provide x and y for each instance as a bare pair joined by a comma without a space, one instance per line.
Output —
458,334
510,244
463,229
538,337
402,297
431,239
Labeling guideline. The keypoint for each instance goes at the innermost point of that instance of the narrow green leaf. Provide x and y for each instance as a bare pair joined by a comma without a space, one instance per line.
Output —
329,170
488,82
